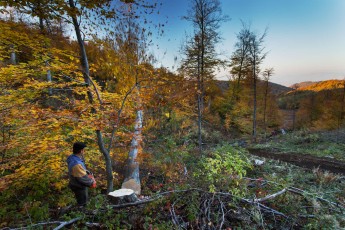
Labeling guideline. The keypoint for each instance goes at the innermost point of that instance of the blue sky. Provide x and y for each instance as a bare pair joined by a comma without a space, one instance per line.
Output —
305,39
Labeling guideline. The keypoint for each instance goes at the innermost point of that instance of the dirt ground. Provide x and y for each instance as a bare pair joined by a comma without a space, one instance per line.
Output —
303,160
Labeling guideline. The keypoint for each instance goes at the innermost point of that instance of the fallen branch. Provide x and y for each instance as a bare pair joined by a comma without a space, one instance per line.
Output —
265,208
252,202
271,210
175,218
271,196
61,224
306,216
66,223
300,192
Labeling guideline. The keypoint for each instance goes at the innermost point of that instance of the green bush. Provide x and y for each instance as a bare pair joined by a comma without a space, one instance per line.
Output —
223,168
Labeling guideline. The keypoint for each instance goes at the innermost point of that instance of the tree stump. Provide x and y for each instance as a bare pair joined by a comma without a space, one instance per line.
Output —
122,196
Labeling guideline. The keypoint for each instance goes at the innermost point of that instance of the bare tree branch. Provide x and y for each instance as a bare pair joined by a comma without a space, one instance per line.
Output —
271,196
61,224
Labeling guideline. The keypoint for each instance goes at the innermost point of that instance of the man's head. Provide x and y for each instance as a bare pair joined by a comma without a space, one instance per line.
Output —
78,147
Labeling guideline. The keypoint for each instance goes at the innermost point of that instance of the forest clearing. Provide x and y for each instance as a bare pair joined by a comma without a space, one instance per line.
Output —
94,135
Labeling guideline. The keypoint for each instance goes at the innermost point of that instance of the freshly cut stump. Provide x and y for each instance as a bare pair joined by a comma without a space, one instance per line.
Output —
122,196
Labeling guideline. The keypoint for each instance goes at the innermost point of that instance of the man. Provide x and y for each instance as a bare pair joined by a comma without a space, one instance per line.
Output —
79,178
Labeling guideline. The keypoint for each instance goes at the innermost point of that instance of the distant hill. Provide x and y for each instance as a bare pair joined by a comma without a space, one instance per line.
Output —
322,85
276,89
307,86
303,84
329,87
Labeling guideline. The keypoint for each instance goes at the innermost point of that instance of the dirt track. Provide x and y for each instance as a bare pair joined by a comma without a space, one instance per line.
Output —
306,161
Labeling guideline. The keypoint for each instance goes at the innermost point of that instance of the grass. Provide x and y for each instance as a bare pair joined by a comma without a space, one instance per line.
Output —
304,142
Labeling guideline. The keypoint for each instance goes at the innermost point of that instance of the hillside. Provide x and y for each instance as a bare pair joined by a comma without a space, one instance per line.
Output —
275,88
322,85
303,84
306,88
278,89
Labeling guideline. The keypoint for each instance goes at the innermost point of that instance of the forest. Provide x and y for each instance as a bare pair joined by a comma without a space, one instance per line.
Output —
198,152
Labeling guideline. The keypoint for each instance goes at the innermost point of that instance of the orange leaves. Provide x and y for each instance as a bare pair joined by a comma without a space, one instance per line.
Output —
323,85
4,183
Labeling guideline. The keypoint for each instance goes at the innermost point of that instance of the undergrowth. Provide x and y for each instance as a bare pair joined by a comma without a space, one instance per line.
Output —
305,142
222,189
320,193
313,199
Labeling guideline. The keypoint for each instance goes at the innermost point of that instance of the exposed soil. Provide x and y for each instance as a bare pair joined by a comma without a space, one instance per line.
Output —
303,160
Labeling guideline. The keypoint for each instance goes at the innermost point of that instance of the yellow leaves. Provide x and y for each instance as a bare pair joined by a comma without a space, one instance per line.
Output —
13,74
41,167
55,165
38,145
17,35
59,185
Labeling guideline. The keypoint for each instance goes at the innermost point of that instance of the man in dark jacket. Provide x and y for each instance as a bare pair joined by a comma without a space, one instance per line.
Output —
79,178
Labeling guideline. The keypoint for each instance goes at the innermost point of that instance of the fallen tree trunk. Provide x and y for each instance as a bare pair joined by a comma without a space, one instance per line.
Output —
132,178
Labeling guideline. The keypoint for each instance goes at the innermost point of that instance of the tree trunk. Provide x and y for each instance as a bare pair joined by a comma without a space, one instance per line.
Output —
132,178
236,89
41,21
294,111
49,79
265,106
86,74
254,107
83,56
199,123
199,98
13,56
107,158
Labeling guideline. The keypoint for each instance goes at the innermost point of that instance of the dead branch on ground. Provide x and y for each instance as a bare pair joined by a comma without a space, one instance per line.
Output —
61,224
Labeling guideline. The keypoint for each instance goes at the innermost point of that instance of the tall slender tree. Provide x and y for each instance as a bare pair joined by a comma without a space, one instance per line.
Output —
239,62
266,75
245,63
294,106
201,57
256,56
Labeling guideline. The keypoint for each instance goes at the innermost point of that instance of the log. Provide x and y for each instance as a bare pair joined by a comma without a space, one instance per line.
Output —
122,196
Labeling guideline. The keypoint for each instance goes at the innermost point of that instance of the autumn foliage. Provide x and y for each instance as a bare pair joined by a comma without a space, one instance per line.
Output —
44,109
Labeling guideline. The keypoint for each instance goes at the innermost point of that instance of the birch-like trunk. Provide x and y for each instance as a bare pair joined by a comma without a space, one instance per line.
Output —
49,79
13,56
132,178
